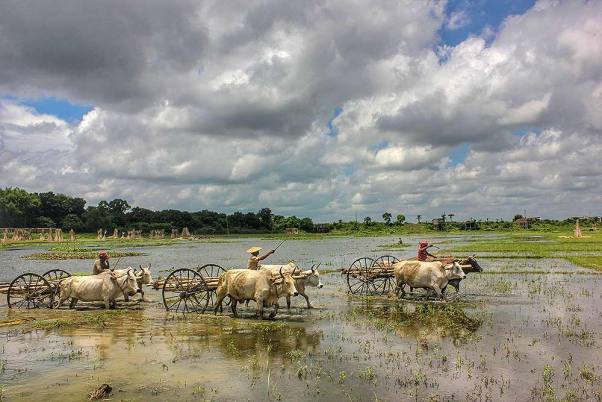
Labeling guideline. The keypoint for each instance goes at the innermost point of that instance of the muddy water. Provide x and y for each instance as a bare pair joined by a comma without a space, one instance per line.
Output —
509,335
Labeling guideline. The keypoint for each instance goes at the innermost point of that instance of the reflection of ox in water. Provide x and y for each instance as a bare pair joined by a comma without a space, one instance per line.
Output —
104,287
261,286
310,277
426,275
143,277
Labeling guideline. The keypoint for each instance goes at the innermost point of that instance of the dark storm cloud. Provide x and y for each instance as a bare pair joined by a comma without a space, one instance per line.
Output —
97,52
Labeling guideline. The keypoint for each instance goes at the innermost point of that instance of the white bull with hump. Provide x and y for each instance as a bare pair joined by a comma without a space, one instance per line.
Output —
310,277
427,275
105,287
261,286
143,277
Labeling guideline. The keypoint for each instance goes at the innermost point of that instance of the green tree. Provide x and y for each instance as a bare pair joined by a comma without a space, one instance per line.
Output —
118,207
265,216
72,221
98,218
400,219
45,222
367,221
18,208
306,224
387,218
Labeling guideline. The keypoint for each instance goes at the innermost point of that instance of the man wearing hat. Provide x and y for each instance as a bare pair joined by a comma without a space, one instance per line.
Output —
254,259
101,264
423,253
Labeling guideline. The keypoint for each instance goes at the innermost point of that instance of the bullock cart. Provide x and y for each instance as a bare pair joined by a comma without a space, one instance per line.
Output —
368,276
30,290
187,290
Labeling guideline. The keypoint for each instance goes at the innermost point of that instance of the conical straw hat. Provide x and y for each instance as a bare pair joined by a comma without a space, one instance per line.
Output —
253,250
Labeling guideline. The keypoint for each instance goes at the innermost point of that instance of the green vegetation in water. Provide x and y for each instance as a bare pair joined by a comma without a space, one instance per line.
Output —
592,262
77,255
418,319
393,246
528,246
74,319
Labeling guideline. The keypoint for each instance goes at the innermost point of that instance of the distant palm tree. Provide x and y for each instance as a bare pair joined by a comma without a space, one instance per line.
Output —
451,217
418,217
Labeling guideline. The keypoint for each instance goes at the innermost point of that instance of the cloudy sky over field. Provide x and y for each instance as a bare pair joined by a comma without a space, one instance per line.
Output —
325,109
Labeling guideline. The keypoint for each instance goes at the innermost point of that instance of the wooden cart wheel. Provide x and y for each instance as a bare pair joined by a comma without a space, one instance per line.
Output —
358,276
385,283
212,271
54,277
29,291
185,291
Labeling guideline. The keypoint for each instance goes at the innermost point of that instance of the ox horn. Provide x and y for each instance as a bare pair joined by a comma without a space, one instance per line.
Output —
281,273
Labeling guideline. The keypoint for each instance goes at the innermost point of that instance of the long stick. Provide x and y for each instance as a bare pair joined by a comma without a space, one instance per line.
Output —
115,267
282,242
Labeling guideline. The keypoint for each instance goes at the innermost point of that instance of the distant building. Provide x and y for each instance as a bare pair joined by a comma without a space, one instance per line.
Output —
471,224
321,227
291,231
438,223
526,223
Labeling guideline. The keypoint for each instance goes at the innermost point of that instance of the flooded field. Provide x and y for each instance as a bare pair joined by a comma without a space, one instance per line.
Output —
524,329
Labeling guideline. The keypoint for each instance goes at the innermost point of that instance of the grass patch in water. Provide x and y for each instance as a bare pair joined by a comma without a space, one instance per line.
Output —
98,319
591,262
393,246
77,255
418,319
550,245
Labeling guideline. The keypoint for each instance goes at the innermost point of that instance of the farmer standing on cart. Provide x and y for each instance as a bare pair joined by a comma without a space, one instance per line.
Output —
423,251
254,259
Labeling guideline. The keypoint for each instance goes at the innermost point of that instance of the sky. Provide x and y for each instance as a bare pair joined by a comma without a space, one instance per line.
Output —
327,109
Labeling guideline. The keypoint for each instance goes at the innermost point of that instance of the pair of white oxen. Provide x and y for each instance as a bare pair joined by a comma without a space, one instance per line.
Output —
266,286
432,276
106,286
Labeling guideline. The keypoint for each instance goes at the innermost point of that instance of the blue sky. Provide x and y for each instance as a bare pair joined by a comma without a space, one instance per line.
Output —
479,15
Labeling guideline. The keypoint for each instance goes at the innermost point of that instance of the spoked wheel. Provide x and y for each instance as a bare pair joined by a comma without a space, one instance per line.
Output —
185,291
29,291
385,283
211,273
358,276
54,277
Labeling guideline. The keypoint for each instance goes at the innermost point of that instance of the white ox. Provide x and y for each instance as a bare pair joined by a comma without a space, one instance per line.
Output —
427,275
310,277
104,287
143,277
261,286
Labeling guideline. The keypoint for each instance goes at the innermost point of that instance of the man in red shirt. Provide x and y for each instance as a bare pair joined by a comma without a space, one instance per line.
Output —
423,253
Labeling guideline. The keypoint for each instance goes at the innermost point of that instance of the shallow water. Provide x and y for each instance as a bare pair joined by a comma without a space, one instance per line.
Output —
492,341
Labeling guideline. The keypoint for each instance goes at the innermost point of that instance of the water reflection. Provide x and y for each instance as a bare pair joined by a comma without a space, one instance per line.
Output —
426,321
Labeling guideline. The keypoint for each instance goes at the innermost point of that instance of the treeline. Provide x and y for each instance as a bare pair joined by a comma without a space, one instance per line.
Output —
19,208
